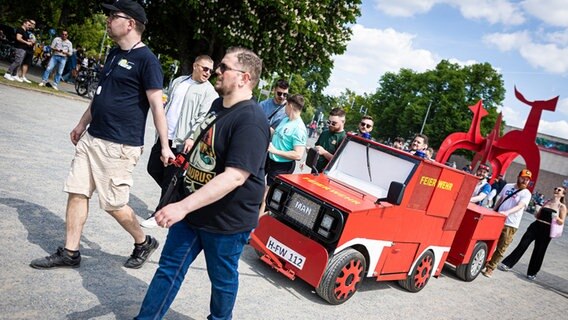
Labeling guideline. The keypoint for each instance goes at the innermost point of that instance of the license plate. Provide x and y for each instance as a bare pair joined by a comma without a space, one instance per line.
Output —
286,253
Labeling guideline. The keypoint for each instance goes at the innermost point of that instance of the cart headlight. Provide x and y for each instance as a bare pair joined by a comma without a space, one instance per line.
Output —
325,225
275,200
326,222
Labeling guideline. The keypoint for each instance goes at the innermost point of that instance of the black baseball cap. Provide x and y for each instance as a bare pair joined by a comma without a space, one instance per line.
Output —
130,7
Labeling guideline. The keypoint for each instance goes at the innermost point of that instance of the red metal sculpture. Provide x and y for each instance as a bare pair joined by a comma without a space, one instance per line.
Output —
498,150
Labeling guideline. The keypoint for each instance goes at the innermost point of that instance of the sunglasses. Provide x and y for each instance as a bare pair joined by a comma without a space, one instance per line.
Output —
558,189
331,123
366,125
114,16
223,67
281,94
205,69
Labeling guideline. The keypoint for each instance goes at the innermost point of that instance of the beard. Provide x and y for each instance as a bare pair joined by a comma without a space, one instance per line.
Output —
522,185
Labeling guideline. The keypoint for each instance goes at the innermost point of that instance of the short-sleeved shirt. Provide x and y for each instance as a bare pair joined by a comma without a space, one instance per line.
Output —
287,135
330,141
25,37
482,187
269,106
238,140
524,196
120,105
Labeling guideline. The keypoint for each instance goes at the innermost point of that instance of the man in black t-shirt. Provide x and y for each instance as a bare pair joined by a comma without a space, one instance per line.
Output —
223,188
22,44
107,151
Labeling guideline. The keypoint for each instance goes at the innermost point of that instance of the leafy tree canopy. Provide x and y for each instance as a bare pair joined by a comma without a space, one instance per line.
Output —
402,100
291,36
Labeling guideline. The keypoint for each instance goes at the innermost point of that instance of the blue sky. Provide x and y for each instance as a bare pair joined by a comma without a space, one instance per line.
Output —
526,41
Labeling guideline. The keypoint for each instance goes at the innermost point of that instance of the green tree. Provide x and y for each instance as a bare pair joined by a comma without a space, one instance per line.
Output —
48,14
291,36
90,34
403,99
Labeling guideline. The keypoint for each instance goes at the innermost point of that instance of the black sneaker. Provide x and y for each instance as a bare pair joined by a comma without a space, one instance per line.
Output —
59,259
141,253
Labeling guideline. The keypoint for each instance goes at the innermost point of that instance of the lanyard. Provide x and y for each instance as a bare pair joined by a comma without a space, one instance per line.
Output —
113,58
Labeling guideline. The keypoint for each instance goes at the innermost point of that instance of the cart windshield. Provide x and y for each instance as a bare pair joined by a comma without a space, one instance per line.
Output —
370,168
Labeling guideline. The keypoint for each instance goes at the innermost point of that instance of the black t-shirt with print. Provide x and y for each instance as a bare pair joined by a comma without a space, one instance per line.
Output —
238,140
120,105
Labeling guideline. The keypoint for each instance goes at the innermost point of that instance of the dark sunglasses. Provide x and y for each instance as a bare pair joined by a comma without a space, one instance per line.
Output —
205,69
281,94
331,123
223,67
114,16
366,125
558,189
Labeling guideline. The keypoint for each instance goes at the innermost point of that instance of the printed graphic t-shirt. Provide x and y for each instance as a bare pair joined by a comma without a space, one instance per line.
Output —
239,140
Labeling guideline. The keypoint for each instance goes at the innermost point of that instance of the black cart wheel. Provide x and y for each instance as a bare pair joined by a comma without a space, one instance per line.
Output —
421,273
342,277
468,272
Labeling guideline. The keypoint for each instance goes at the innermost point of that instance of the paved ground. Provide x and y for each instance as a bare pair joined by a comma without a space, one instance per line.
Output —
35,153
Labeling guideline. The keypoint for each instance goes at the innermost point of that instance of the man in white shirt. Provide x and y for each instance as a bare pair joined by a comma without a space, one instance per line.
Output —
62,48
512,202
189,99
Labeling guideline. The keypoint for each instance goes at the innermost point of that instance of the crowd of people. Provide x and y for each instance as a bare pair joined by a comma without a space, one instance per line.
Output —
61,61
215,204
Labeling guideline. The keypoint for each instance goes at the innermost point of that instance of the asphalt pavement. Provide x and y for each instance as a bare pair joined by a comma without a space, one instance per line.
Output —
35,154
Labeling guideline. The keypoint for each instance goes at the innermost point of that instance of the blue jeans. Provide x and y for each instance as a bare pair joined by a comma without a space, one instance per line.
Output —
58,61
183,245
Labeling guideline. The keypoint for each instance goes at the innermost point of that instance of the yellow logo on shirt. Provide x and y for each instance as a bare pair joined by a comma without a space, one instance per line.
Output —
124,63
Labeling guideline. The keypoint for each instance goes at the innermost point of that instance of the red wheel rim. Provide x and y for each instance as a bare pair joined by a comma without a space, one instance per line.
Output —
346,282
423,271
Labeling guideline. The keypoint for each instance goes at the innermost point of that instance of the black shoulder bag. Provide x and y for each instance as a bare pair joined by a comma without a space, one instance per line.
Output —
182,162
496,208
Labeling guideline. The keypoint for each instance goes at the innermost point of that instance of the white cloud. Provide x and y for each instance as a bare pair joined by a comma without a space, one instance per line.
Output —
553,12
463,63
513,117
547,56
556,128
371,53
404,8
559,37
493,11
562,106
508,41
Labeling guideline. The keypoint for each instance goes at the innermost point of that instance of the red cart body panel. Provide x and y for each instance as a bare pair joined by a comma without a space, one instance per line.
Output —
478,224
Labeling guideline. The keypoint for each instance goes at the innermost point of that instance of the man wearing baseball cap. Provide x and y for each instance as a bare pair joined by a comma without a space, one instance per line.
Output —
511,201
130,7
110,135
482,188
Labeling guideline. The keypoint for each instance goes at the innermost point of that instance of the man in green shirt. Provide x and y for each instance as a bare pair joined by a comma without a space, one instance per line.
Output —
330,139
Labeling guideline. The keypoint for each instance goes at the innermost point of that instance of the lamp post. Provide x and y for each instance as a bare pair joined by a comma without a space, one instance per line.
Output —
425,117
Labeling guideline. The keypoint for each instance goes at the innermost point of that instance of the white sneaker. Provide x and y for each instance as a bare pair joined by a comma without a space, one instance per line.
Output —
54,86
9,77
149,223
26,80
42,84
18,79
